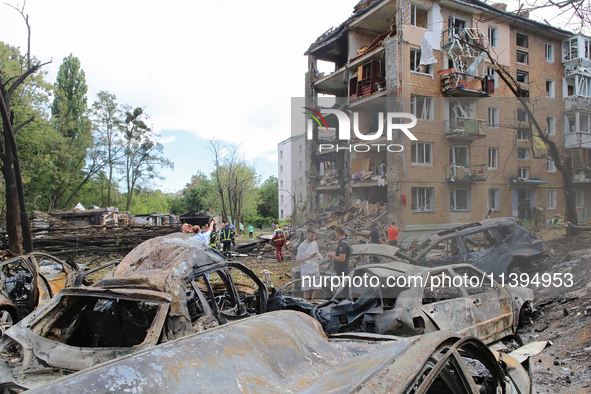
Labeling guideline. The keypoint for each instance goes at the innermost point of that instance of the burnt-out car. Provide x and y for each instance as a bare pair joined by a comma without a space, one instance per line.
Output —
406,300
289,296
29,281
497,246
164,289
287,352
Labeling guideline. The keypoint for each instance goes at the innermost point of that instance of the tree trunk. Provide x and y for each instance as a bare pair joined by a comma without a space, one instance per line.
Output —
109,185
13,221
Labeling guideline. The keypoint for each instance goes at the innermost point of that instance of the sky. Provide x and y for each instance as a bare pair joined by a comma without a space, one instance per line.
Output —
224,69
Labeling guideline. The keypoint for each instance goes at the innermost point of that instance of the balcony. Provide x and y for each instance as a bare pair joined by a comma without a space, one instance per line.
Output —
577,140
577,102
332,83
457,84
582,176
465,128
463,173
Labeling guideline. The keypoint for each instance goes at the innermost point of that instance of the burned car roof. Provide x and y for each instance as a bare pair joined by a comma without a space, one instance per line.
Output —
288,352
160,291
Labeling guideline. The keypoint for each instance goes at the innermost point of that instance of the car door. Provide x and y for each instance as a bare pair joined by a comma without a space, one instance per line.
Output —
486,252
491,305
446,305
445,252
54,272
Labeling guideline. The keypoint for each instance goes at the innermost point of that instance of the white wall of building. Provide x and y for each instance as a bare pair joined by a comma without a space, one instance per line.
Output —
292,166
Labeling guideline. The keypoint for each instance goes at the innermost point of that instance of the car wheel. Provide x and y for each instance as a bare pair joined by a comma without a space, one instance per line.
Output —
6,320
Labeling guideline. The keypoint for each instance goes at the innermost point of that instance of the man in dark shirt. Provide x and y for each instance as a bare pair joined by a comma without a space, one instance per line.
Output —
343,253
375,235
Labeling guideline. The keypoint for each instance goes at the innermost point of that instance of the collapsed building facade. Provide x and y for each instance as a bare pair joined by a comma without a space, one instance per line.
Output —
475,155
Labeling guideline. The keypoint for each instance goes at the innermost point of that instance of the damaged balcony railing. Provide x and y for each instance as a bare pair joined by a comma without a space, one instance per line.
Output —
466,173
577,102
454,83
467,128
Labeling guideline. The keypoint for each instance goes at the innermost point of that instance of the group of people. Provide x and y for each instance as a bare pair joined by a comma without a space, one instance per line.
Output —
201,233
375,235
309,256
208,234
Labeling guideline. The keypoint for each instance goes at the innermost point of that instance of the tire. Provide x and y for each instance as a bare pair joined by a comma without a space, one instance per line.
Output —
7,320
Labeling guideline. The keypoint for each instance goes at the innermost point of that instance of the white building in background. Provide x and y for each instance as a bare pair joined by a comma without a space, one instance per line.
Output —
292,186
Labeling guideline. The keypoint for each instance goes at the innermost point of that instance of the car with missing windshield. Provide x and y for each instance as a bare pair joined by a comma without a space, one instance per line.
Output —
166,288
402,299
29,281
497,246
287,352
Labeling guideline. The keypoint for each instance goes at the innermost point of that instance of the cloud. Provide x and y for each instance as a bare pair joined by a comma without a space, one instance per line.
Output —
167,140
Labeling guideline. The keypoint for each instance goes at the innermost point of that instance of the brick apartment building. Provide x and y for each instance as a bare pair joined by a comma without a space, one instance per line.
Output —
476,155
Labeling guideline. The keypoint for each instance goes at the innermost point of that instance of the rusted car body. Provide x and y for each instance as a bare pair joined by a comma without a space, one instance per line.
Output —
166,288
29,281
497,246
425,304
288,352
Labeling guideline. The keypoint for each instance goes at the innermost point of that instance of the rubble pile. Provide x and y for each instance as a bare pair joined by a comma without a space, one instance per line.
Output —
358,220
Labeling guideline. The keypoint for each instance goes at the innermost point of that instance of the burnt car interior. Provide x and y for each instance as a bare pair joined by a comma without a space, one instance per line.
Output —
20,284
98,322
442,290
231,293
479,244
444,252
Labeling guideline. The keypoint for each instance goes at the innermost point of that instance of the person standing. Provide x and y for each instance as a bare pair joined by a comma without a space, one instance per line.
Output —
251,232
233,228
261,228
278,241
308,257
393,234
343,253
375,235
227,238
206,231
213,237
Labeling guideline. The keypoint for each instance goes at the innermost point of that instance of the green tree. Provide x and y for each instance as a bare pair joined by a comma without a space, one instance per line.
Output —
234,180
200,194
70,120
107,124
268,205
21,90
142,154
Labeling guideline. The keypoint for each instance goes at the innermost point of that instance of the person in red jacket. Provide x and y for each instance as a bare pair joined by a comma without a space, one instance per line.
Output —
278,241
393,234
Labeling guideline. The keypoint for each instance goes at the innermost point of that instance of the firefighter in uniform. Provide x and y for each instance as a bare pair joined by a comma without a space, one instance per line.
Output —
213,238
227,238
278,241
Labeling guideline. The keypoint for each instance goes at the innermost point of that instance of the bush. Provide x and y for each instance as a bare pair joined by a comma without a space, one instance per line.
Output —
254,220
